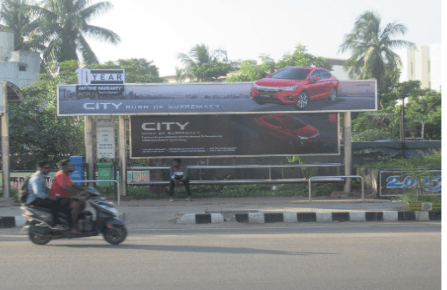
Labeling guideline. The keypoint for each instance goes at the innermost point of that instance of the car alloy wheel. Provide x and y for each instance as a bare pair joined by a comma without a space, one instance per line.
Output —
333,95
302,101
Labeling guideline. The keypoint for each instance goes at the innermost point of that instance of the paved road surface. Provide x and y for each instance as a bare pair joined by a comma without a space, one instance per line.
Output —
402,255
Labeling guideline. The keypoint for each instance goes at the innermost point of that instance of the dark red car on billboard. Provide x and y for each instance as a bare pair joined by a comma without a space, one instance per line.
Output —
288,128
296,86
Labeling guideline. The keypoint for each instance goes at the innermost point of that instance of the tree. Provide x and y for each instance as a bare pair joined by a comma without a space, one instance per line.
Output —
180,74
424,115
138,70
36,131
371,45
17,18
300,57
251,71
204,64
63,28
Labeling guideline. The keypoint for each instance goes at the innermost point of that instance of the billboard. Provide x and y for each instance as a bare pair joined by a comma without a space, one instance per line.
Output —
189,136
217,98
396,182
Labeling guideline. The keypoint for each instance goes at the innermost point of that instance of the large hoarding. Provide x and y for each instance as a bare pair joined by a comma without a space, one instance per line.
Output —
189,136
217,98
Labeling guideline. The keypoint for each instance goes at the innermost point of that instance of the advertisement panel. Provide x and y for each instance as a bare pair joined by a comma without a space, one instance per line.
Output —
234,135
396,182
218,98
105,137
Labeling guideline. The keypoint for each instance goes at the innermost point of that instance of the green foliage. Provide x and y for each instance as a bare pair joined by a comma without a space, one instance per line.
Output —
250,71
211,71
430,160
204,64
36,132
423,116
372,54
300,57
138,70
17,18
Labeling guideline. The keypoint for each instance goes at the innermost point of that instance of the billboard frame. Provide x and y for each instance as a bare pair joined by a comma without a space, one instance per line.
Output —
232,156
210,113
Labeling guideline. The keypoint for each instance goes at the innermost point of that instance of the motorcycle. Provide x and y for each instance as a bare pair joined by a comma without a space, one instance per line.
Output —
105,221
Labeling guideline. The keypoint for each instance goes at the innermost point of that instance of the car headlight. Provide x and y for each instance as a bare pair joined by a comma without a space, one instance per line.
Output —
287,89
303,138
255,87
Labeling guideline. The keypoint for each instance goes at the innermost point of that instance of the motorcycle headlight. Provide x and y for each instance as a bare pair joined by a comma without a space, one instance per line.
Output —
287,89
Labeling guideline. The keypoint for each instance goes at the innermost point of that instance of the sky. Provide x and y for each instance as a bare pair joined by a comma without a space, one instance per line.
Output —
159,30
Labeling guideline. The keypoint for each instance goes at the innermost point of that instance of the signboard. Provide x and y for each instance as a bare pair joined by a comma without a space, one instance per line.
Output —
234,135
105,137
395,182
213,98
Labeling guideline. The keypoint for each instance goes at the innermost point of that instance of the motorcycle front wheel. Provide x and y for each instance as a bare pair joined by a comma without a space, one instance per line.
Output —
115,235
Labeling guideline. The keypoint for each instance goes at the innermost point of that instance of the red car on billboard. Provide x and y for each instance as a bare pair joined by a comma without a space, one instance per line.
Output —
296,86
288,128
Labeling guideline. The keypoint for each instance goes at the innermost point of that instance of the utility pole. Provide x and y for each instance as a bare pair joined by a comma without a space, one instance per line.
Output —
348,149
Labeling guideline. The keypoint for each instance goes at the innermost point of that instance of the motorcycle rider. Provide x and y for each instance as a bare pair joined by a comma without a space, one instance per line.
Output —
63,187
38,193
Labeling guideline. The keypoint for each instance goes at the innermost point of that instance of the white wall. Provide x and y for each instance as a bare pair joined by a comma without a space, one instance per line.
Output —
10,67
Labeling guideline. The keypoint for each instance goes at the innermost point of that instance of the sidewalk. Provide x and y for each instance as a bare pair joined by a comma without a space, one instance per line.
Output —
251,210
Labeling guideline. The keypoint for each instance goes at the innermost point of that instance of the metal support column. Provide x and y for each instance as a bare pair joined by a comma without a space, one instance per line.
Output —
89,156
348,149
122,156
5,152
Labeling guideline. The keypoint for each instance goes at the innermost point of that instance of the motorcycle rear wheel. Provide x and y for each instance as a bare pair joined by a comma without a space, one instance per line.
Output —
39,239
115,235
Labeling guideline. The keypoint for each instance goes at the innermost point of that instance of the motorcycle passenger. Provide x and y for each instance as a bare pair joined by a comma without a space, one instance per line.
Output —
64,187
38,193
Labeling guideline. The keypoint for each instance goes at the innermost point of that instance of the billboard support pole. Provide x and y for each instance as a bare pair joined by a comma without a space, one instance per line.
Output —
5,152
348,149
122,156
89,158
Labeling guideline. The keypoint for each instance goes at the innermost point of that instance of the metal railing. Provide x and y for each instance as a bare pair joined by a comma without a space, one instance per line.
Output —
331,177
88,181
233,181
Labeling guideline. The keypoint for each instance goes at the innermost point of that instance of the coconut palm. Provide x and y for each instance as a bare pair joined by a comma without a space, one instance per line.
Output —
16,17
200,55
371,45
63,27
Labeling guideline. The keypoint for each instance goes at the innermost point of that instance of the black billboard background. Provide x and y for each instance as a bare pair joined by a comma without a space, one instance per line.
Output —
227,135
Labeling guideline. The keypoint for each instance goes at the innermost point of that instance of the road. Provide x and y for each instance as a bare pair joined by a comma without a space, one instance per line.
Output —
404,255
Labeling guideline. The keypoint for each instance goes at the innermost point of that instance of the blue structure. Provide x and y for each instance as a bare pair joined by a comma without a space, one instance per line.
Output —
78,173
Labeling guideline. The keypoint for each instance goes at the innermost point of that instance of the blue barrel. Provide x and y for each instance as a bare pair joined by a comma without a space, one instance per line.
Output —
78,173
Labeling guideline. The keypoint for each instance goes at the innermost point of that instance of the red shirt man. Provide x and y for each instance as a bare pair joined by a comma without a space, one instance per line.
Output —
60,179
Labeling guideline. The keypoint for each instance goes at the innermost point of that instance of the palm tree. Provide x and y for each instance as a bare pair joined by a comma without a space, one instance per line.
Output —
200,55
17,18
371,45
63,26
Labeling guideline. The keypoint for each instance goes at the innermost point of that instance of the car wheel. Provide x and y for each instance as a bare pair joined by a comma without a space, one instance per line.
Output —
303,100
333,96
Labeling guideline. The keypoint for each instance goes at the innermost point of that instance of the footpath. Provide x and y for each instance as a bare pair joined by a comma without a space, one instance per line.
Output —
160,212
